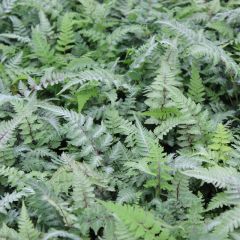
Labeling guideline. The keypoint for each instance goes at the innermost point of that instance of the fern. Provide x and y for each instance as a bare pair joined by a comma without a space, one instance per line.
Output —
220,142
44,26
66,36
226,198
219,176
26,229
144,53
162,113
82,193
15,61
13,36
89,136
84,94
25,226
8,199
231,16
196,87
117,124
166,126
119,33
41,48
203,47
8,5
18,178
6,129
154,165
119,119
159,87
98,75
6,233
18,26
228,222
122,232
223,28
137,221
128,196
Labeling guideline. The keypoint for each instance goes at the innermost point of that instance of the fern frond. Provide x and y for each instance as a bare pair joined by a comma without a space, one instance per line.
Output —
227,222
25,226
93,35
143,53
181,190
7,199
122,232
98,75
8,5
230,16
66,37
166,126
60,111
44,26
117,124
84,94
220,142
16,37
223,28
141,223
196,87
221,177
200,46
83,192
119,34
181,29
18,178
82,63
15,61
162,113
188,162
7,127
85,134
7,233
41,48
128,195
156,94
18,26
51,77
6,130
141,139
61,180
227,198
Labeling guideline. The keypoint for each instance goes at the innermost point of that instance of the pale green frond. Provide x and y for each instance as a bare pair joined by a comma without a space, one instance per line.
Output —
25,226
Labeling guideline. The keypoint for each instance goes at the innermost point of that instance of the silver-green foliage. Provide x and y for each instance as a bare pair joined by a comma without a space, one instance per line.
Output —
119,120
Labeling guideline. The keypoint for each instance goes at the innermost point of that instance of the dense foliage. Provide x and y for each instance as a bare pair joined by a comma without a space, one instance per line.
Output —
119,119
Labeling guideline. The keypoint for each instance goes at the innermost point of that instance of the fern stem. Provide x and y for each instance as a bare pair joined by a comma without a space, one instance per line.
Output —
31,133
